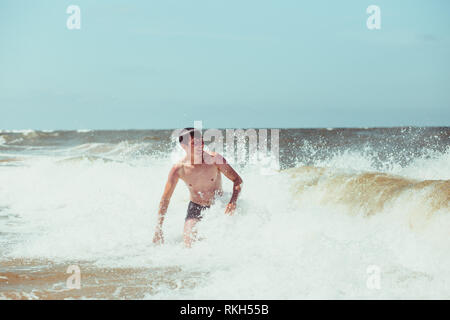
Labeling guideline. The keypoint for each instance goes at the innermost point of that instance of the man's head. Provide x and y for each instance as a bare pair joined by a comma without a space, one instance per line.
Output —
191,141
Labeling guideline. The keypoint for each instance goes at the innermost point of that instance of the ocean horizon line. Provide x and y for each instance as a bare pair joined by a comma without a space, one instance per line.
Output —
81,130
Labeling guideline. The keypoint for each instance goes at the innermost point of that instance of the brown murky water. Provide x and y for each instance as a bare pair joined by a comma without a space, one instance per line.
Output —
40,279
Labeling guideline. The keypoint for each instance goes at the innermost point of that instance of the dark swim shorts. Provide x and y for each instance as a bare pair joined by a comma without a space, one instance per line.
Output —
194,211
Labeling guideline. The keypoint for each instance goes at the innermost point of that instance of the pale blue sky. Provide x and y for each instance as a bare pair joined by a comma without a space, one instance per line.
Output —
164,64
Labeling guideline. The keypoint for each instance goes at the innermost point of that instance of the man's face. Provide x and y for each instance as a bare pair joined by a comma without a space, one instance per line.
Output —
196,145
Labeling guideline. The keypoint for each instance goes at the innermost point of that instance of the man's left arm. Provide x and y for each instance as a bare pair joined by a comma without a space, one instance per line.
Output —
231,174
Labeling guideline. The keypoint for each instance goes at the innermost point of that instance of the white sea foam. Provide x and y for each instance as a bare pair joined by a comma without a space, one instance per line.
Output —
278,245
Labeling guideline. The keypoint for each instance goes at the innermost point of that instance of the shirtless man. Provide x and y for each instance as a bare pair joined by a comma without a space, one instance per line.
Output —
202,173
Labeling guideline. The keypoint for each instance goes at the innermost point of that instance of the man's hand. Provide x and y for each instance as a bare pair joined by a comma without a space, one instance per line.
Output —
229,210
229,172
158,238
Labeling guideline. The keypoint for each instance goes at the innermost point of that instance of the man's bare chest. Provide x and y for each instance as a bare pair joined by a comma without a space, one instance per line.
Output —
200,175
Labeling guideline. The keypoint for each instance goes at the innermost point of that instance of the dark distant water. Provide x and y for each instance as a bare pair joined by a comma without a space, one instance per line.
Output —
382,145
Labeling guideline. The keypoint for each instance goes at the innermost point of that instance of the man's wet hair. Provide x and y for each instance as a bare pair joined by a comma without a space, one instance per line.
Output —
183,138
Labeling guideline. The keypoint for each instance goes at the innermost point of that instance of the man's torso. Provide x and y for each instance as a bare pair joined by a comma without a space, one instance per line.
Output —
203,180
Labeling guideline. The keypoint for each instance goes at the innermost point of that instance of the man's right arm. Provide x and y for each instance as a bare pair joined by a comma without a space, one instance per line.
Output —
171,183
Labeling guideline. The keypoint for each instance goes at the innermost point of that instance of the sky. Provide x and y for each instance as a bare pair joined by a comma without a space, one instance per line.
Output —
157,64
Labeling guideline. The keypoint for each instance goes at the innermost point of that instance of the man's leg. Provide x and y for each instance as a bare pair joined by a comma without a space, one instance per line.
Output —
190,232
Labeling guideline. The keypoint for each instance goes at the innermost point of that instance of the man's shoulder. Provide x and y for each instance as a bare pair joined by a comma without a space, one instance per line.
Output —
177,168
215,158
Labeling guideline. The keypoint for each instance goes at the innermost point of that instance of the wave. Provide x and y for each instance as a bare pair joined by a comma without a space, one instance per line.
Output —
12,137
369,193
121,149
23,131
10,160
80,159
